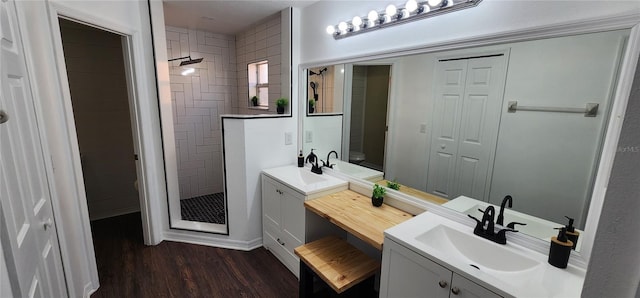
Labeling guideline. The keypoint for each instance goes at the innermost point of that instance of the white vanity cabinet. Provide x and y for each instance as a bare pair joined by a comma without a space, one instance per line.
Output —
408,274
284,226
283,221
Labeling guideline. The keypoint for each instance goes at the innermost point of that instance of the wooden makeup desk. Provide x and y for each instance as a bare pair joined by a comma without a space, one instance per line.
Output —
354,213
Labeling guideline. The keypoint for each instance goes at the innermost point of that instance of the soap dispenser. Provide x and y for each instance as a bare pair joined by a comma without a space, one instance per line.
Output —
300,160
560,249
572,234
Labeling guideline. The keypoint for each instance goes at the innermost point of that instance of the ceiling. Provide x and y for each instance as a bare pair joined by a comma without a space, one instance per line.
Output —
223,16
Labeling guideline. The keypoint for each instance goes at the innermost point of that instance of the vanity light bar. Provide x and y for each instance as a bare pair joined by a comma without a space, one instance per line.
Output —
412,10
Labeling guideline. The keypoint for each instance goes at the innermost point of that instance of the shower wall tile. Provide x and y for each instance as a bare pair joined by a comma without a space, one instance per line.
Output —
198,100
262,41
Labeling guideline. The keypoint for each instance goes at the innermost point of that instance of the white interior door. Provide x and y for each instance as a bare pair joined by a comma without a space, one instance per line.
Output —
27,227
467,105
450,83
483,96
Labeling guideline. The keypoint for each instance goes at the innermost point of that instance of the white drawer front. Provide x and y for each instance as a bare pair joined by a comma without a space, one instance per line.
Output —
287,258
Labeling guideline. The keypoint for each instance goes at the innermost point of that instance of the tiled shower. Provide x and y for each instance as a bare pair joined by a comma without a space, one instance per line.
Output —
218,86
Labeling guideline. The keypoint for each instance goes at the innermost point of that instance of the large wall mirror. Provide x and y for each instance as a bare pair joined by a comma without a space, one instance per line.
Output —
468,127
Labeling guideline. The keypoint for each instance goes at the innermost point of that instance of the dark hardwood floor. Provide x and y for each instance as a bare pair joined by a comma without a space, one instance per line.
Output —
128,268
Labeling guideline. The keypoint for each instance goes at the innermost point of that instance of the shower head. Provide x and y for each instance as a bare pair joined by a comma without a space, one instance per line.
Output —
188,62
191,61
321,72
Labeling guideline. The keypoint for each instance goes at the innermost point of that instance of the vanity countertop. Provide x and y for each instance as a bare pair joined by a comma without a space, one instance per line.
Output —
304,181
510,270
354,213
416,193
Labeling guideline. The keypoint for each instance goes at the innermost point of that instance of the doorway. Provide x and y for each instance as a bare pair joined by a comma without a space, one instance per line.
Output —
369,103
96,65
468,96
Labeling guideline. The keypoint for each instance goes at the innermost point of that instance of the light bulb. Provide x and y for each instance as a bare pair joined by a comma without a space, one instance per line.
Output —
405,14
373,17
391,10
411,6
434,3
356,21
188,71
342,26
331,29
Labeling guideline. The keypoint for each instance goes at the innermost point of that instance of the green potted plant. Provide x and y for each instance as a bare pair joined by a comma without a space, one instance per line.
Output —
378,195
280,104
393,185
312,106
254,101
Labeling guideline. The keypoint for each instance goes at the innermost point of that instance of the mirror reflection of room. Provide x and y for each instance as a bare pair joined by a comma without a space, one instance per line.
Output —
368,125
325,89
467,128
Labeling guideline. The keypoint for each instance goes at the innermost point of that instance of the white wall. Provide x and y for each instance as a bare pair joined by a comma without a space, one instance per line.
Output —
554,152
410,104
5,285
614,268
197,101
267,135
41,36
102,119
262,41
325,135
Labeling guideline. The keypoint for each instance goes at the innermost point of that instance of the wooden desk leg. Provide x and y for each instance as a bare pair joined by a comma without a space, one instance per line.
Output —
305,286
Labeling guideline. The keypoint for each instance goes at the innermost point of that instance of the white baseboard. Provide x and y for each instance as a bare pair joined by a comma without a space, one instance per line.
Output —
211,240
89,289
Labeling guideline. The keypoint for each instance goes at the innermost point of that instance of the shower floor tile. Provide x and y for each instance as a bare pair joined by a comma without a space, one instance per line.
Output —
206,208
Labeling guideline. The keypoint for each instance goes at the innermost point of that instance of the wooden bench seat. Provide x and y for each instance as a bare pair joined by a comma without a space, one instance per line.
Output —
338,263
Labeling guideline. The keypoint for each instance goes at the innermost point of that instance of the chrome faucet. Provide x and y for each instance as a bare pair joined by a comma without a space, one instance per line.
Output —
485,228
313,160
328,164
507,199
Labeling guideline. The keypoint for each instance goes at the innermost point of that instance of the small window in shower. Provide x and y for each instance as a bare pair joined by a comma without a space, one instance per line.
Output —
258,75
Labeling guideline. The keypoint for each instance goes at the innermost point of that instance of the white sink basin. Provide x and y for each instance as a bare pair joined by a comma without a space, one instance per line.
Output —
303,180
509,270
357,171
307,178
476,251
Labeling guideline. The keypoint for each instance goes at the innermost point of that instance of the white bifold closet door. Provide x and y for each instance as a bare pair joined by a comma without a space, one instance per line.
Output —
468,97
